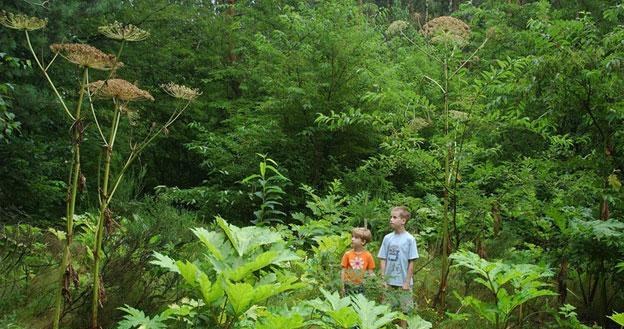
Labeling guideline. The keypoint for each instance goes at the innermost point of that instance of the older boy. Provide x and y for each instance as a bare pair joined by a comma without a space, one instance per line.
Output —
397,254
357,262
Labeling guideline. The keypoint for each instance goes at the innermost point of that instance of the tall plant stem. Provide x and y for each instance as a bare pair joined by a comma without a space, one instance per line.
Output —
104,202
72,191
441,295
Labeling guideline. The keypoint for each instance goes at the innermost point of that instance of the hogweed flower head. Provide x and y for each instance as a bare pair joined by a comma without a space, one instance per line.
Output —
180,91
397,27
458,115
118,31
446,29
21,22
118,89
86,55
418,123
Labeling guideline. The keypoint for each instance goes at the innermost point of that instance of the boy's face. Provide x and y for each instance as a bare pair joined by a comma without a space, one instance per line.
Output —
396,221
357,242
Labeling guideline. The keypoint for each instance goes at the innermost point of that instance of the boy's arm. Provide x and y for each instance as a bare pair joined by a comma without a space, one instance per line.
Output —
342,282
382,270
410,274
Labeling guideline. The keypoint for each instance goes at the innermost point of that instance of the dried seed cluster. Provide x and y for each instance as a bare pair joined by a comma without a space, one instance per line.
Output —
445,29
180,91
396,27
118,31
118,89
22,22
86,55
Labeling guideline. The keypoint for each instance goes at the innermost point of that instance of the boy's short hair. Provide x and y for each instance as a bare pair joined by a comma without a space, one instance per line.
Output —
404,212
362,233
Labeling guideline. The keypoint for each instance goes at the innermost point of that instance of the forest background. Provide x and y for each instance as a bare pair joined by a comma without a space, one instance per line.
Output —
501,129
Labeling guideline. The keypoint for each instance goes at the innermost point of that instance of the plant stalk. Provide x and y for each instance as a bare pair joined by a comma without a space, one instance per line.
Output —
72,190
99,233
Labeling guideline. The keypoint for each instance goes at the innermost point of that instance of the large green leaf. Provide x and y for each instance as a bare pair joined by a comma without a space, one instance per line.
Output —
259,262
273,321
214,242
371,315
416,322
188,271
618,318
165,262
210,291
247,238
240,296
137,319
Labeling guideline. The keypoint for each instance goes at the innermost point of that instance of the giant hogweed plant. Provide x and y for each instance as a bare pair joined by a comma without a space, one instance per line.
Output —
241,269
510,287
121,93
357,311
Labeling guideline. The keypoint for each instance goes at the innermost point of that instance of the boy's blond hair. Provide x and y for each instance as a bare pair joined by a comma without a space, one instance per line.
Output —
362,233
404,212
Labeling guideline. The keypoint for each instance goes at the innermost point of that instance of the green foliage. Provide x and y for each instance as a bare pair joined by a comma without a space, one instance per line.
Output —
266,187
137,319
416,322
240,270
618,318
346,312
567,318
511,285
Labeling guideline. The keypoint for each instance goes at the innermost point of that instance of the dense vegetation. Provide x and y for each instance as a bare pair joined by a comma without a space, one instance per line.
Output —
498,123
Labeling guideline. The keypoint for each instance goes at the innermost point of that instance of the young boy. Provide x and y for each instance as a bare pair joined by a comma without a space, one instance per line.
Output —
357,262
397,254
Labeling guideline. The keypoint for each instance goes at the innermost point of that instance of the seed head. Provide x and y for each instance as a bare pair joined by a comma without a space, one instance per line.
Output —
118,89
458,115
21,22
118,31
418,123
446,29
396,27
86,55
180,91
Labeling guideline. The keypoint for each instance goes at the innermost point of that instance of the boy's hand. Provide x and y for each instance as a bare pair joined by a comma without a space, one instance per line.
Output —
406,286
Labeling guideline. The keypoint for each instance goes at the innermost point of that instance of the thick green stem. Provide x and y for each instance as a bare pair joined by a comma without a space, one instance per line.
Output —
72,192
99,233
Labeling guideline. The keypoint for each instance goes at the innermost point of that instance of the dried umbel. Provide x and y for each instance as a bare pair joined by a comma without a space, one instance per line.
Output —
180,91
446,29
396,27
85,55
418,123
118,31
118,89
22,22
458,115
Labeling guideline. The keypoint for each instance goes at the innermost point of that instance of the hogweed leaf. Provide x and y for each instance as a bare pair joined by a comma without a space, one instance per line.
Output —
188,271
210,291
137,319
240,296
371,315
618,318
165,262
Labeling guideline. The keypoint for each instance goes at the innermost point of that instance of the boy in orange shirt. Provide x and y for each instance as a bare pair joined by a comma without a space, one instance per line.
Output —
357,262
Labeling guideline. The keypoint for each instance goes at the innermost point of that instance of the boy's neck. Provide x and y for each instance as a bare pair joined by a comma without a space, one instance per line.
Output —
399,230
358,249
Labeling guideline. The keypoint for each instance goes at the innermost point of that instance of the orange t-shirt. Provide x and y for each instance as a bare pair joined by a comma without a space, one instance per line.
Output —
356,264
